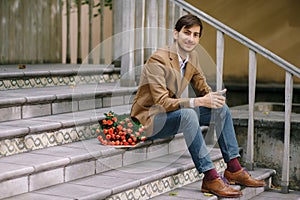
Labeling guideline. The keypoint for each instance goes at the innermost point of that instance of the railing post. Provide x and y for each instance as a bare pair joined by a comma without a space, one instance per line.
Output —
128,35
151,23
252,86
68,50
171,21
117,29
162,21
101,56
91,4
210,137
181,12
287,130
139,39
220,59
79,58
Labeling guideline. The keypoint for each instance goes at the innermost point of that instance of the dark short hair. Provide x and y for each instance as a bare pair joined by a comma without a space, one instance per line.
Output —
188,21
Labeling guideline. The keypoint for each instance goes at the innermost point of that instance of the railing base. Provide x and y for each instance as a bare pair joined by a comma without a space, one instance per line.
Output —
284,189
117,63
79,60
249,166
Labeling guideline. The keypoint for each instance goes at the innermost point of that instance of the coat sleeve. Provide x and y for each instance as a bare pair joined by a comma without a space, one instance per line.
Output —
157,75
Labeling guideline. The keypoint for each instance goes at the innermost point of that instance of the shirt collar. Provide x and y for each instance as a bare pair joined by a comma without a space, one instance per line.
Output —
181,62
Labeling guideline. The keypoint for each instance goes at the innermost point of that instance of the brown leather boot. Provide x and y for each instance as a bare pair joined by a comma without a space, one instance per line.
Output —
219,188
242,177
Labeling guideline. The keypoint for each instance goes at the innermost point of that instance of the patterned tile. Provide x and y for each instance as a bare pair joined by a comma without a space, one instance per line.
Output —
46,81
48,139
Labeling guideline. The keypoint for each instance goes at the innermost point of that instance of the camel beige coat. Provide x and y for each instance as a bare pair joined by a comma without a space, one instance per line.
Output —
161,85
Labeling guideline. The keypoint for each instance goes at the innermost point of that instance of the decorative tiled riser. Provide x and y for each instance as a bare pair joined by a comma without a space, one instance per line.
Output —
47,139
46,81
79,133
164,185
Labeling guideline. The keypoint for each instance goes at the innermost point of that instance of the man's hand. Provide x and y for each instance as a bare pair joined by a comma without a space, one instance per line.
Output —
211,100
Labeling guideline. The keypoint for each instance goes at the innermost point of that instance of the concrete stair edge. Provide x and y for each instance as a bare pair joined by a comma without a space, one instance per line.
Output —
31,70
65,120
59,93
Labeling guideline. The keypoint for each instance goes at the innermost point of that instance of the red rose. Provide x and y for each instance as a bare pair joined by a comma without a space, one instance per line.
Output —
114,119
111,131
120,127
130,125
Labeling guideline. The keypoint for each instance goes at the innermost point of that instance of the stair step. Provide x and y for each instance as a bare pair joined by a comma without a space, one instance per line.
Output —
25,135
46,75
191,191
141,180
277,194
34,102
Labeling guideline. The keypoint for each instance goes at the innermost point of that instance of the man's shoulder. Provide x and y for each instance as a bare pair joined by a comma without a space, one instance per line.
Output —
164,52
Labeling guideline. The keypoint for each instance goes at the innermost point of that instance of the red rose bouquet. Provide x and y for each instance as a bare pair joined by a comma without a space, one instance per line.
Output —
119,130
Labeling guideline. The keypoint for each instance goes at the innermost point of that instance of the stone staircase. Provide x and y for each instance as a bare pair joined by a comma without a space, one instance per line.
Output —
49,148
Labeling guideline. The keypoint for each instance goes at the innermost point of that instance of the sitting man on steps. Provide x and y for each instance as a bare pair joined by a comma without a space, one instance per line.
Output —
160,106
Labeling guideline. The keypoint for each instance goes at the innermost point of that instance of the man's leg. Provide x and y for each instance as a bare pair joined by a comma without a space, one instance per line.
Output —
225,133
186,121
229,148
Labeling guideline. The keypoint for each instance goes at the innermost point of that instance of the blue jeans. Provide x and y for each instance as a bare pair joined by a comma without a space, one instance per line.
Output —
188,122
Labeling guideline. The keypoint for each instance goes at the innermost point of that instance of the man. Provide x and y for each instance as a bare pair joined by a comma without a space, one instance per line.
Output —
160,106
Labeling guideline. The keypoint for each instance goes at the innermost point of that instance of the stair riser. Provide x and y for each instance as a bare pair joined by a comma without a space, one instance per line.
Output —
59,80
93,165
31,142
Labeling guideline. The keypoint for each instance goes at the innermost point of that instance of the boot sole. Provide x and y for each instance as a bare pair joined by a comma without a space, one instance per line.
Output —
222,196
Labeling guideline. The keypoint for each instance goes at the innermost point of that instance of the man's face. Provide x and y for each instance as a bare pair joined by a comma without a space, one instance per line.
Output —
187,38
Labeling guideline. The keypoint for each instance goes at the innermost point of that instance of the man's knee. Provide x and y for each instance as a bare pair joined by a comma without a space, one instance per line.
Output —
189,115
222,112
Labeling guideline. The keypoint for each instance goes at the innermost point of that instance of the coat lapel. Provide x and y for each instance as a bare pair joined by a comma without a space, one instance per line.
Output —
189,70
176,68
182,83
174,58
